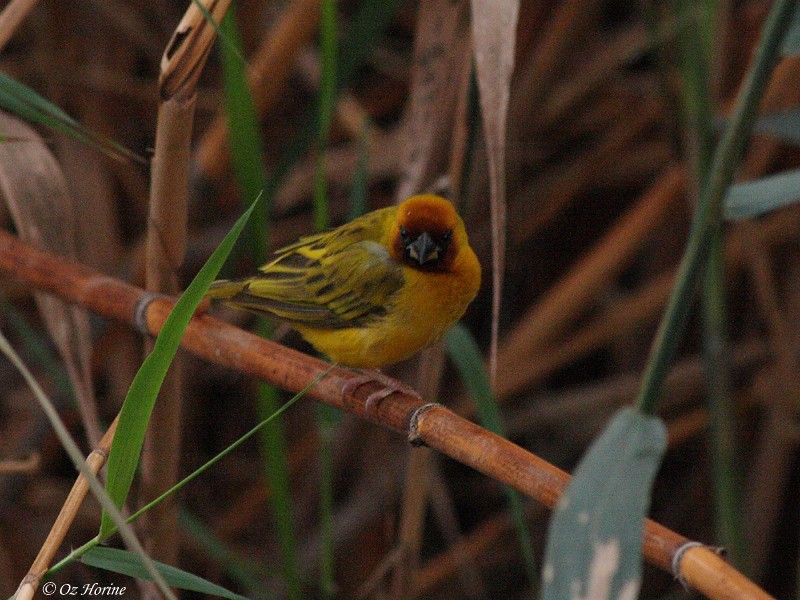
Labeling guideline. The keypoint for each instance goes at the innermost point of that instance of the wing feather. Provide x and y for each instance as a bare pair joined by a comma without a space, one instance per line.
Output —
331,280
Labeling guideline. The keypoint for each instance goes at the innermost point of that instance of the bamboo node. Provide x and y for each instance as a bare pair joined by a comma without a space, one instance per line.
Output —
414,437
140,312
676,562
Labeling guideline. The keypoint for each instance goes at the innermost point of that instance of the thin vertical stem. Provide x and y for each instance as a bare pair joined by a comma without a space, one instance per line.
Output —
709,213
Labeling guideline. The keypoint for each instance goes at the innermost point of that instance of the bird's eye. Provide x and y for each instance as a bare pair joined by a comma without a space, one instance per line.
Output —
447,235
403,233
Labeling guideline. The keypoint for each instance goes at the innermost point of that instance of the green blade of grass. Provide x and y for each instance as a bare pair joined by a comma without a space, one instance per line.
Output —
754,198
276,467
360,187
135,414
248,160
128,563
697,40
22,101
784,125
466,355
244,133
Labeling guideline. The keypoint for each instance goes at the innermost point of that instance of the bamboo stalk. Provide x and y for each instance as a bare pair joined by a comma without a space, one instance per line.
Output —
66,516
181,66
430,424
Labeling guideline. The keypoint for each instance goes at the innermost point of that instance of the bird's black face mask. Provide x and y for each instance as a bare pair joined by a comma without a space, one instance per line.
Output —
424,250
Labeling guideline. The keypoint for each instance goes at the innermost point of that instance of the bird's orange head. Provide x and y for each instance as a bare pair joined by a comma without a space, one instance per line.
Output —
427,233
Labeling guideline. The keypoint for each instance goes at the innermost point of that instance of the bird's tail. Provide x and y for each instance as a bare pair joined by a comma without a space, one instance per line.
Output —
224,289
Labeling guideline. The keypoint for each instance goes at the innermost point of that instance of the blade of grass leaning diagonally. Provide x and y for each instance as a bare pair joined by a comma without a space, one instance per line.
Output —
24,102
464,351
494,34
247,154
26,589
138,405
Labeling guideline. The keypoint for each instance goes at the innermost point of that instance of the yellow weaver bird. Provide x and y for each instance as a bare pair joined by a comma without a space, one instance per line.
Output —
371,292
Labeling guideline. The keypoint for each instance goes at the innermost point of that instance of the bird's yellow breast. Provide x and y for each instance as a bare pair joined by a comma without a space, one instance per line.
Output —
420,314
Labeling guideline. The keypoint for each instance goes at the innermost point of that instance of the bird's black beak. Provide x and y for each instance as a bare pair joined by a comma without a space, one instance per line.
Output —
424,249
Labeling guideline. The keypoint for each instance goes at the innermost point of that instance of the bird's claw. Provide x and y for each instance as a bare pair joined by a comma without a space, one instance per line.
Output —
390,386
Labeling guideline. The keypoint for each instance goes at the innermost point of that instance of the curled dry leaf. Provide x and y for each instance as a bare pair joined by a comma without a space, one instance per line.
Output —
36,193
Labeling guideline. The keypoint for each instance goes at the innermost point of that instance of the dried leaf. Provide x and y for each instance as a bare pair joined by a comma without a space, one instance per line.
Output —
494,31
36,193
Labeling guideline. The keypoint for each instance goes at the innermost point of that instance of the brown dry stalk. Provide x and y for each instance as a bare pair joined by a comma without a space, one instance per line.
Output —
10,466
441,47
188,48
66,516
270,68
429,424
166,246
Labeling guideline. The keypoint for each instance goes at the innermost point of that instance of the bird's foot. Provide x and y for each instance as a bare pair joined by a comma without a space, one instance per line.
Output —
390,386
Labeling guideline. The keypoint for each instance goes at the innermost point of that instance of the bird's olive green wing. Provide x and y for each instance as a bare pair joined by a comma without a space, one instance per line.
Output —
330,280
